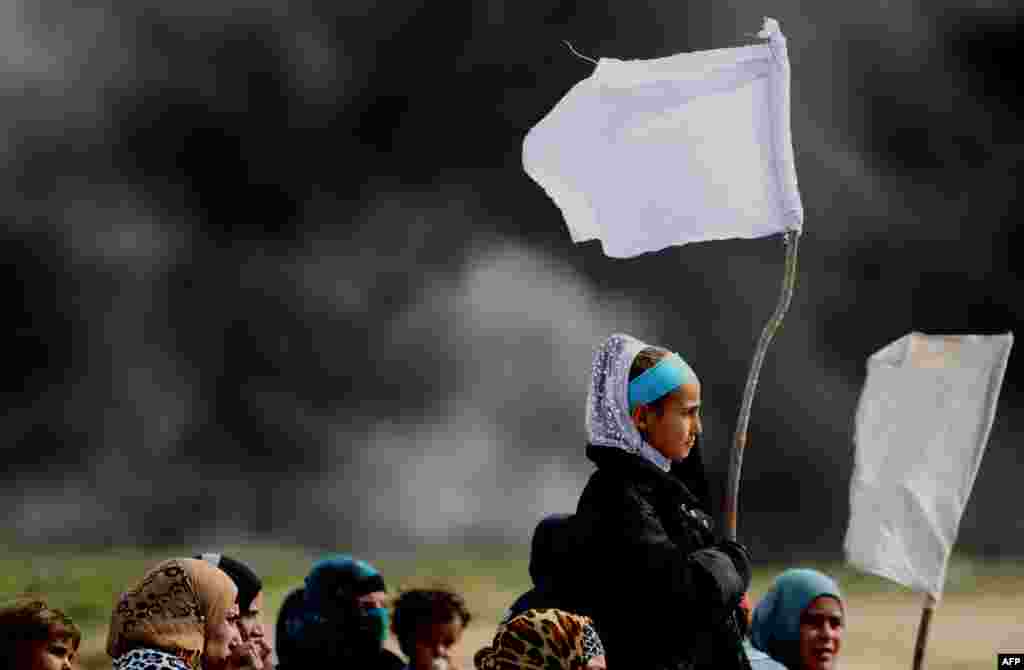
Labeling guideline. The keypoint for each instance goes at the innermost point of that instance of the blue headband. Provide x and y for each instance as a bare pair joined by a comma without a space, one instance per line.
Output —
670,373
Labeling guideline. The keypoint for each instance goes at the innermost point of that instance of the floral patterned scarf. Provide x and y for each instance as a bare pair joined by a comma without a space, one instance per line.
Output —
541,639
168,611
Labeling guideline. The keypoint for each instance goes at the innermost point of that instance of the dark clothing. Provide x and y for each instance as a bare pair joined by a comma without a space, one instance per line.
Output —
547,547
690,471
548,550
530,600
302,644
385,661
288,629
389,661
537,598
645,566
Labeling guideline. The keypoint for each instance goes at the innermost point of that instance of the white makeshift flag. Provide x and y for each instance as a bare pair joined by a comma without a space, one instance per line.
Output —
646,154
922,424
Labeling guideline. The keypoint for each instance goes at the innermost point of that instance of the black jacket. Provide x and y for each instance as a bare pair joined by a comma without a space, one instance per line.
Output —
386,660
646,567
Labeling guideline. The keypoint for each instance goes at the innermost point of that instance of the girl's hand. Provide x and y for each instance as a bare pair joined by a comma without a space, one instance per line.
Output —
246,657
263,650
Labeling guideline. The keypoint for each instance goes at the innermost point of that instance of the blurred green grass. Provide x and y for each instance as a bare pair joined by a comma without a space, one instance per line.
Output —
85,582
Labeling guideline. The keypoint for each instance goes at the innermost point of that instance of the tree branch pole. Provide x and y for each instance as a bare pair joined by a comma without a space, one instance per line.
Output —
791,240
922,630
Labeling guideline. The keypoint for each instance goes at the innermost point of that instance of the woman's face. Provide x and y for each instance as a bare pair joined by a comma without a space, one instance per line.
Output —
250,625
675,431
821,632
222,637
373,600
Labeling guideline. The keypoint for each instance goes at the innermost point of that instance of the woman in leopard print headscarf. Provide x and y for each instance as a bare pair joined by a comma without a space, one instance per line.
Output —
543,639
181,616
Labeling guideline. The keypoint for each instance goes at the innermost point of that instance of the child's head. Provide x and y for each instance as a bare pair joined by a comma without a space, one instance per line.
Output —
666,406
36,637
428,625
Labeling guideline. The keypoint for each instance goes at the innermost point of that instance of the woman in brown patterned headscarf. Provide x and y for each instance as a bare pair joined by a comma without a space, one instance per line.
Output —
181,616
543,639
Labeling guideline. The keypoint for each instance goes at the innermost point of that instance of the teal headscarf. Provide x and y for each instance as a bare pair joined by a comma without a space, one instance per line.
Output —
775,629
340,577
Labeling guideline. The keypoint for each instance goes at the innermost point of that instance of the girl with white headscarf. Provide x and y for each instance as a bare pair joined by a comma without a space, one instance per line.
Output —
646,565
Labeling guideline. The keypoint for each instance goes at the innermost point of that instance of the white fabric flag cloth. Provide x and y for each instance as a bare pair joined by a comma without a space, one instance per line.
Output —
645,154
922,424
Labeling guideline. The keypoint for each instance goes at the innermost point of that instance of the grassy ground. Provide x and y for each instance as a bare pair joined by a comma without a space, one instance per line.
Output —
981,613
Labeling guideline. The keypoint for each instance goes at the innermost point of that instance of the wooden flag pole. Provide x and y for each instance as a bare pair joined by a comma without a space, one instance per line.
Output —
922,630
791,239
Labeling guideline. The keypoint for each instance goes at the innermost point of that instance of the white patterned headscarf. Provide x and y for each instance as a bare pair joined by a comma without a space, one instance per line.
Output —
608,418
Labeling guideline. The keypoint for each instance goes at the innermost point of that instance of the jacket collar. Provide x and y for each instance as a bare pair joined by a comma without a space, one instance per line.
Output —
644,473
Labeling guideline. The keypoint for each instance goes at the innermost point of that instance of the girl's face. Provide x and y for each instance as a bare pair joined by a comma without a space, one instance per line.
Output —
675,431
222,637
435,644
51,655
821,632
250,625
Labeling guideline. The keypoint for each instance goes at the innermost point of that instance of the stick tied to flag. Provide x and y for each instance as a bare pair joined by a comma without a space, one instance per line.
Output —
922,425
647,154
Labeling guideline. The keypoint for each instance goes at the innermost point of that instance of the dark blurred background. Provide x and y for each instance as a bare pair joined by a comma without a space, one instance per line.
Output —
277,272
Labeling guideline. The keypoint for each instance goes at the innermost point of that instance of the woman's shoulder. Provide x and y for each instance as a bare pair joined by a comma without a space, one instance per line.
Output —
611,487
622,476
612,503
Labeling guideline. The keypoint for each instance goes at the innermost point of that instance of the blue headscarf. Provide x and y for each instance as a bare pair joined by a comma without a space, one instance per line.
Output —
337,580
775,629
334,575
323,619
